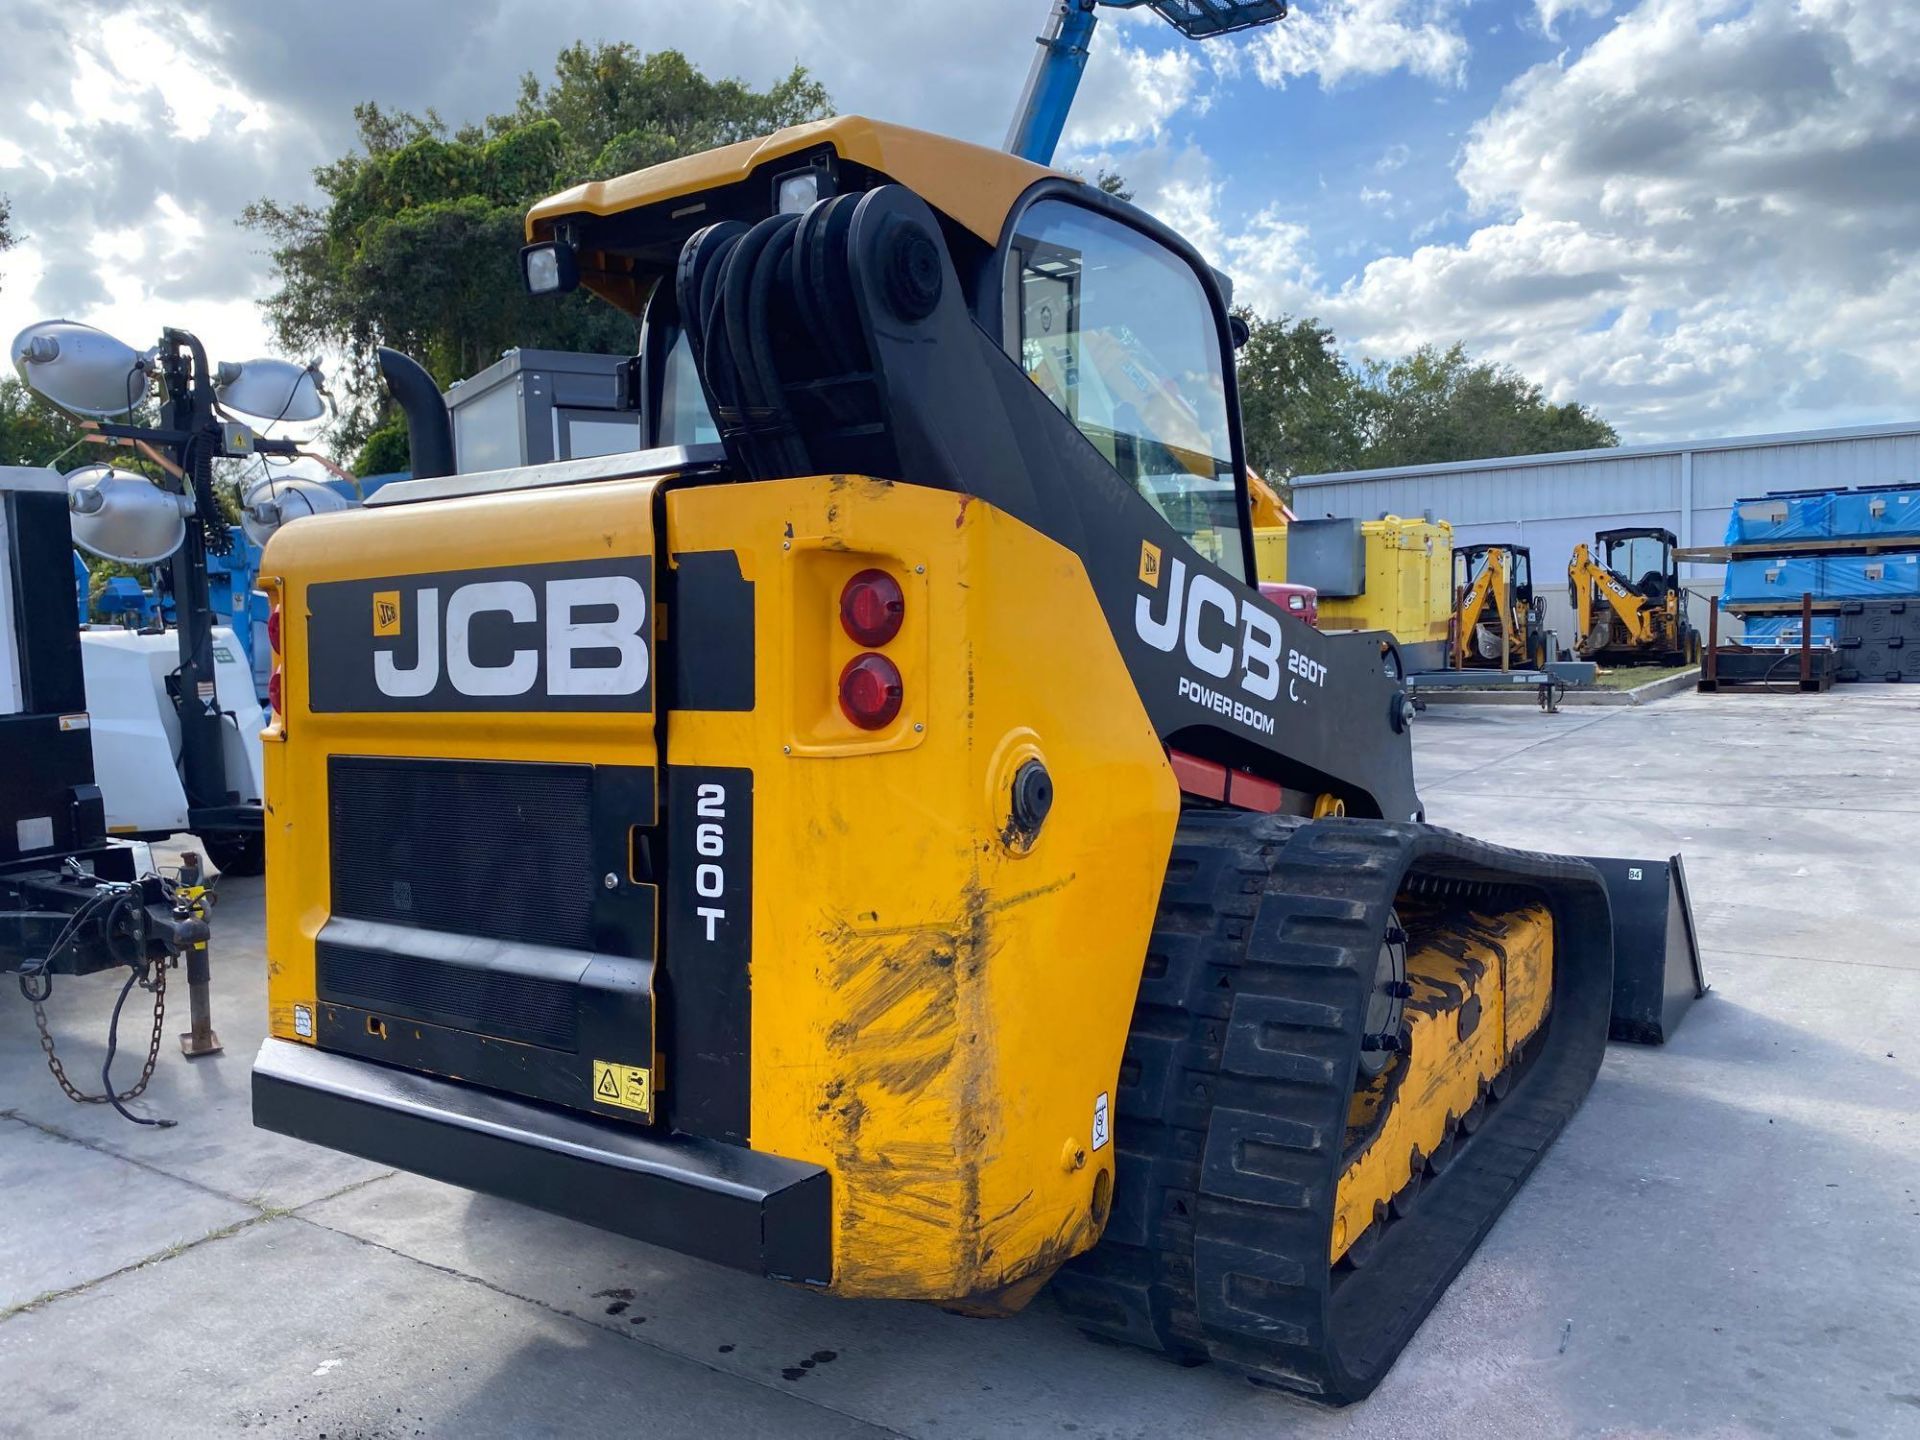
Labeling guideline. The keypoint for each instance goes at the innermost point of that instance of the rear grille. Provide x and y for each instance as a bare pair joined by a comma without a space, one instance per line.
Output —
469,847
492,1002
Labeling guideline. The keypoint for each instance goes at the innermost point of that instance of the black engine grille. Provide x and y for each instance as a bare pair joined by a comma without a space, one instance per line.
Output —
471,847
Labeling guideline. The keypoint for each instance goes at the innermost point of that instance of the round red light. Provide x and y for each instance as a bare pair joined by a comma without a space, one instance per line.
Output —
273,629
872,607
273,692
870,691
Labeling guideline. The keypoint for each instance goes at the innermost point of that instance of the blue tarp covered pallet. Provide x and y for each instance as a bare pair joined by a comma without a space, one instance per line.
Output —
1776,581
1866,577
1885,513
1779,518
1784,630
1873,514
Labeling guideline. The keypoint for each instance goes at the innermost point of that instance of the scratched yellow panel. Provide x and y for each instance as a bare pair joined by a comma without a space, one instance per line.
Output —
936,1013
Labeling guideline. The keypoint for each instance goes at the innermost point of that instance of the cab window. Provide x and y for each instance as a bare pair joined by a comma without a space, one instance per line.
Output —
1118,332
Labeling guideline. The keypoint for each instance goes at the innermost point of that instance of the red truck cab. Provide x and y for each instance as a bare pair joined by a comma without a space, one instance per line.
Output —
1301,601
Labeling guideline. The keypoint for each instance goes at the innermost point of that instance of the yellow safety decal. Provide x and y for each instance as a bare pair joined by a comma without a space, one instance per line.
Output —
1149,563
628,1086
386,612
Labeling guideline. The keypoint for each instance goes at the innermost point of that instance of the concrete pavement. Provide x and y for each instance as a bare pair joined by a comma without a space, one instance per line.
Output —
1722,1243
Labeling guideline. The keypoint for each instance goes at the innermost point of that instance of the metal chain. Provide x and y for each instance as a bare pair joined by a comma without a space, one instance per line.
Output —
158,985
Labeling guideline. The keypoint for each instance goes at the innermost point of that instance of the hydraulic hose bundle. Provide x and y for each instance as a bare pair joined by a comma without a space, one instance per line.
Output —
771,316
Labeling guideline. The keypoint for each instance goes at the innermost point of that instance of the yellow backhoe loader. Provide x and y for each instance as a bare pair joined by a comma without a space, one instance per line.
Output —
1628,604
1495,613
867,837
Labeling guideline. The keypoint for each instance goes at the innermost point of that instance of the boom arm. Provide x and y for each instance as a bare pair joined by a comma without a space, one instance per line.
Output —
1491,587
1056,71
1587,577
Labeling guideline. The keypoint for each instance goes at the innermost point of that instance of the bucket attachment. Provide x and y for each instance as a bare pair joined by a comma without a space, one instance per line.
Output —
1656,957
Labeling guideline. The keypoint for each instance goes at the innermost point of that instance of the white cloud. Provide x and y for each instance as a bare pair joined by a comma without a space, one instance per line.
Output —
1337,40
1708,221
1550,11
1128,94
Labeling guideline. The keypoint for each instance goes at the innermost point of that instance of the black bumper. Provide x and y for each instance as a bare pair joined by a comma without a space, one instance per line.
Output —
723,1203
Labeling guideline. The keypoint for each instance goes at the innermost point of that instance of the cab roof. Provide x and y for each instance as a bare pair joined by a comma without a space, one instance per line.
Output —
973,186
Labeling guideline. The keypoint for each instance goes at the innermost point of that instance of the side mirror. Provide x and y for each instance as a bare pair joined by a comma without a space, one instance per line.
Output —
1239,330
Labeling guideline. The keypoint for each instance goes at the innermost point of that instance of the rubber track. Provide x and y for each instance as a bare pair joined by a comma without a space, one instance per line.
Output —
1233,1096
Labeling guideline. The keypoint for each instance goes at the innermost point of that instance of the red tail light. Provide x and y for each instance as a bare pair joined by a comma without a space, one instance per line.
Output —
871,691
872,607
275,708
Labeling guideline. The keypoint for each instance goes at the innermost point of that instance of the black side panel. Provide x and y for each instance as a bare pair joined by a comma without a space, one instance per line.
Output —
761,1213
712,620
48,803
49,630
707,1005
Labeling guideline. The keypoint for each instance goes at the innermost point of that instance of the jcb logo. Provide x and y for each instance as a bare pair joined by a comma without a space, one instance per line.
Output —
1225,637
570,636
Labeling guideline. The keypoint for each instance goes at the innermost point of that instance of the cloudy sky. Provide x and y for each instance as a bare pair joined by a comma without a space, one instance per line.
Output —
1700,216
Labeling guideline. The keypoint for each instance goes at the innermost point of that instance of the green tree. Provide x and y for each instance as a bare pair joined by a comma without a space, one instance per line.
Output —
9,237
386,449
1300,403
1307,411
1436,405
32,432
416,242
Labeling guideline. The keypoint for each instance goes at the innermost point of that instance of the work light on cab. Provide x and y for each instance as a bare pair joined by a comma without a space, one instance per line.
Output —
870,691
872,607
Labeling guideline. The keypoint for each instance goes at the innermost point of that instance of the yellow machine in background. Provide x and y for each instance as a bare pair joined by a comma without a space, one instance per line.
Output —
1496,614
1629,607
1392,574
871,836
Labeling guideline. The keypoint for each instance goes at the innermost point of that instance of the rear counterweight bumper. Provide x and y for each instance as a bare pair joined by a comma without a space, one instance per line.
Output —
723,1203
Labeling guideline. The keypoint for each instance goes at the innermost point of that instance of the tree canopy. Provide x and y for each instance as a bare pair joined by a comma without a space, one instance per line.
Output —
32,432
8,239
416,238
1308,411
416,242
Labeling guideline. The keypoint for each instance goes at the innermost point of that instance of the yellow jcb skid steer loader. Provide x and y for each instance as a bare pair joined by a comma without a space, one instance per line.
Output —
867,837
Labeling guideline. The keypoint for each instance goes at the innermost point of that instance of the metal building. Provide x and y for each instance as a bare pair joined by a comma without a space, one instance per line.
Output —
1552,502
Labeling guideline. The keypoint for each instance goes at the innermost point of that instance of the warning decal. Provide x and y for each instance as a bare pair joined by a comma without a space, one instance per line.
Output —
628,1086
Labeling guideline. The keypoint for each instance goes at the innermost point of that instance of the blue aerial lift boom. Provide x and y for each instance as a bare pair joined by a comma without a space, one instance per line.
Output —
1056,71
